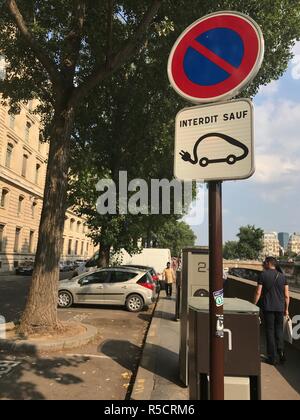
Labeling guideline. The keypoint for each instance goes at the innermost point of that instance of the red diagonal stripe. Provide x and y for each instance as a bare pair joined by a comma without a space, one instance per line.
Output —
213,57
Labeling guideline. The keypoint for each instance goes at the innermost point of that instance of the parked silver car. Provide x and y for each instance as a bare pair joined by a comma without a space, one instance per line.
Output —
132,288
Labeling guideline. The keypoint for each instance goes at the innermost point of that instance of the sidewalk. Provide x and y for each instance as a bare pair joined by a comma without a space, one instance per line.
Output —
158,374
157,377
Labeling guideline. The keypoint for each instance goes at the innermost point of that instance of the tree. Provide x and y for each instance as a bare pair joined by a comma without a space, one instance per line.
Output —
176,236
124,130
250,243
230,251
248,247
60,51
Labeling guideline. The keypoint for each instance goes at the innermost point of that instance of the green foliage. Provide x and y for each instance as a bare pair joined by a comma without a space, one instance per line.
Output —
250,242
62,51
123,129
230,251
73,40
53,23
176,236
248,247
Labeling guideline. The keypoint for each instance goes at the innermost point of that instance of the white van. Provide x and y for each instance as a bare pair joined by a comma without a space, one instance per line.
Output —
152,257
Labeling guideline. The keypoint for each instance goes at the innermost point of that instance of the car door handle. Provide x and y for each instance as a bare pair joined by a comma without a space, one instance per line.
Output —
124,287
100,287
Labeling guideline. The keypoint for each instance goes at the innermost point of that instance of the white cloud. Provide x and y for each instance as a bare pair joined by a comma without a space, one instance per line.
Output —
270,89
277,138
296,49
276,169
296,62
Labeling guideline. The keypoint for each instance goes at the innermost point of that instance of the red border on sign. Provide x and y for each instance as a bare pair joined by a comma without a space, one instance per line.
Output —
251,43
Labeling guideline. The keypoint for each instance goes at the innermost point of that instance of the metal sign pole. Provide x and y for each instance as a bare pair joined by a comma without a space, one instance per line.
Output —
216,292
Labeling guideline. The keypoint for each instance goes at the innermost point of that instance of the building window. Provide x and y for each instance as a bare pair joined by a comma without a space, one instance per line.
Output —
72,222
20,204
12,121
9,153
37,173
76,248
78,227
27,131
82,248
4,198
70,247
31,239
24,166
41,141
33,209
87,248
1,238
17,240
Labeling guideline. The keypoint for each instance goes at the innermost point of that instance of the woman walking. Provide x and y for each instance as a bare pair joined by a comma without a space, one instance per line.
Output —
273,297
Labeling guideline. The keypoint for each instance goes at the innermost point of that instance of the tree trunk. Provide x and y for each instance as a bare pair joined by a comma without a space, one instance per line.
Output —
41,309
104,256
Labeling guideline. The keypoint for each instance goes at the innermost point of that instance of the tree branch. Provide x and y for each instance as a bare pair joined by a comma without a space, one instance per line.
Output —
110,15
101,72
73,39
41,55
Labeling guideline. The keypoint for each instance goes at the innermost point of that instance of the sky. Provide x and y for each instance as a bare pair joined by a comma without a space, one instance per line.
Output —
271,198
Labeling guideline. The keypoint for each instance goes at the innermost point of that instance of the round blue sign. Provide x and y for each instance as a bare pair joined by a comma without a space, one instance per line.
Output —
216,57
224,43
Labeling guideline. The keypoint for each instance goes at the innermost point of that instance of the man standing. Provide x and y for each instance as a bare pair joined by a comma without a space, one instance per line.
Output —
273,297
169,278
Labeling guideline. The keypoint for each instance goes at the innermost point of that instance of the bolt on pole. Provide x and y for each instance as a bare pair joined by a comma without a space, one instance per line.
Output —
216,303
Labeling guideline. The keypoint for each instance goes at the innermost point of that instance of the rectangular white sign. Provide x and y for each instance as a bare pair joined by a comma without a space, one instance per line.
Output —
215,142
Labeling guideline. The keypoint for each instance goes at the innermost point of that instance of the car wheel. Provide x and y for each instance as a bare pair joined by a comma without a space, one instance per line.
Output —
231,160
65,299
134,303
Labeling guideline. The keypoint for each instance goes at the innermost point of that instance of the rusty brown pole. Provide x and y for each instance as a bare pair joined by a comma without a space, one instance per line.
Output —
216,292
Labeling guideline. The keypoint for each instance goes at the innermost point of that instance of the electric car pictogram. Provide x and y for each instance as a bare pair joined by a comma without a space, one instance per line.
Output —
230,159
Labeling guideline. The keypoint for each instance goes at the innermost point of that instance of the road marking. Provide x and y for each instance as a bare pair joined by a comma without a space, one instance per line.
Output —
6,367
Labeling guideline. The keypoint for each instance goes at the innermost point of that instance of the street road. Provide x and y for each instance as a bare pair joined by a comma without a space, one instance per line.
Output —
101,370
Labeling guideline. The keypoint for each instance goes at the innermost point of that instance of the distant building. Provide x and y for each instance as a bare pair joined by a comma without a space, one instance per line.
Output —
294,244
284,238
271,245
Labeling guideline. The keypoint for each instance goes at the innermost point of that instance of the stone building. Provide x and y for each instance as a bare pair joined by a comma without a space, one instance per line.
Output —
23,161
294,244
271,245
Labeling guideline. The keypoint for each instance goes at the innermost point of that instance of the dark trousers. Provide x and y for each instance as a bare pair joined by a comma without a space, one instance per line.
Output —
169,289
274,333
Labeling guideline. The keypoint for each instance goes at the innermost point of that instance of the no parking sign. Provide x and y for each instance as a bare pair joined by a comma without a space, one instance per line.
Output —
216,57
